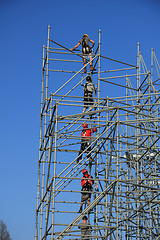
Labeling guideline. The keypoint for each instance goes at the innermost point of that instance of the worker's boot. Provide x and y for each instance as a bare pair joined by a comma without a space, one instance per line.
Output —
78,159
90,161
80,210
85,70
92,68
90,164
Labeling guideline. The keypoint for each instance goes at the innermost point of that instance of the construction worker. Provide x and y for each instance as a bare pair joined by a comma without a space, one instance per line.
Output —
88,91
85,228
86,50
86,141
86,183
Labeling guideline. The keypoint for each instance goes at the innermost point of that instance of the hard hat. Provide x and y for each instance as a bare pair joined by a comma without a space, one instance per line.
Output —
84,218
85,125
85,35
84,171
88,79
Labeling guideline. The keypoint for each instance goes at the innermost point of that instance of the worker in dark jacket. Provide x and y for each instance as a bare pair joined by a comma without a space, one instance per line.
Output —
86,50
85,228
88,91
86,183
86,141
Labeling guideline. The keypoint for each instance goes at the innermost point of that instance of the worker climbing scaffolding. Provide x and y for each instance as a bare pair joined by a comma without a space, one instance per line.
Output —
85,228
86,183
86,142
88,91
87,50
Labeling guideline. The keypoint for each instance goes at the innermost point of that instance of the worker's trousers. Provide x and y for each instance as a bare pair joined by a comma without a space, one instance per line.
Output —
85,144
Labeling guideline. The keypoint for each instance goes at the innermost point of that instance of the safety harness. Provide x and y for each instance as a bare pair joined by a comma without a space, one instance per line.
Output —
85,47
88,89
88,183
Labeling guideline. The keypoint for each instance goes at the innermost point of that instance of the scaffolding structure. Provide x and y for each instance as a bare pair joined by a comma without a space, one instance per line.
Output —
125,200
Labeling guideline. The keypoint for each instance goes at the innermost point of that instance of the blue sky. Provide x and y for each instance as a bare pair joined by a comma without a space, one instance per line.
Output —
23,28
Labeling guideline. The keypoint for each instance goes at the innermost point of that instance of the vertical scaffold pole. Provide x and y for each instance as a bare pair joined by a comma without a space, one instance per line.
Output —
137,135
106,182
54,173
99,65
127,168
38,186
47,63
117,173
96,165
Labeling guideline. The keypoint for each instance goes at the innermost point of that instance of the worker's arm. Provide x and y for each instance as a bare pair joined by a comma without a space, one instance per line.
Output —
94,130
75,47
92,43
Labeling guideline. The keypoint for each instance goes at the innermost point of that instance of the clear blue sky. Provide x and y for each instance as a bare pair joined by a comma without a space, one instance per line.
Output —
23,31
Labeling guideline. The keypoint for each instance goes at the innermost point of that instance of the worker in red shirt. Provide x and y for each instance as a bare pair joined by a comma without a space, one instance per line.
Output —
86,183
86,141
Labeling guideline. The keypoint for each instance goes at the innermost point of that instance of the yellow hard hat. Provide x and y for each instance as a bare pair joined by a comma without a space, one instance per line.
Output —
85,35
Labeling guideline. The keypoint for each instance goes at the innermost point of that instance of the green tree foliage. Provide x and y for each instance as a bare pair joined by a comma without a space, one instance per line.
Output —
4,234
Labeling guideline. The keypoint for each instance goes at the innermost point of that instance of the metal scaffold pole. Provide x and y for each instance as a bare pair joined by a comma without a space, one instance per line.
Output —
121,154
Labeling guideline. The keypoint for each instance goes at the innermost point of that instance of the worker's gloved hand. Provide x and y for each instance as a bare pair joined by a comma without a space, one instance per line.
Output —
94,129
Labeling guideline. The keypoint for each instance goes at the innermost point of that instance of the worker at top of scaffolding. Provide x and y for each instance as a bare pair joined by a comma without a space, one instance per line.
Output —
86,142
86,183
88,91
86,50
85,228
